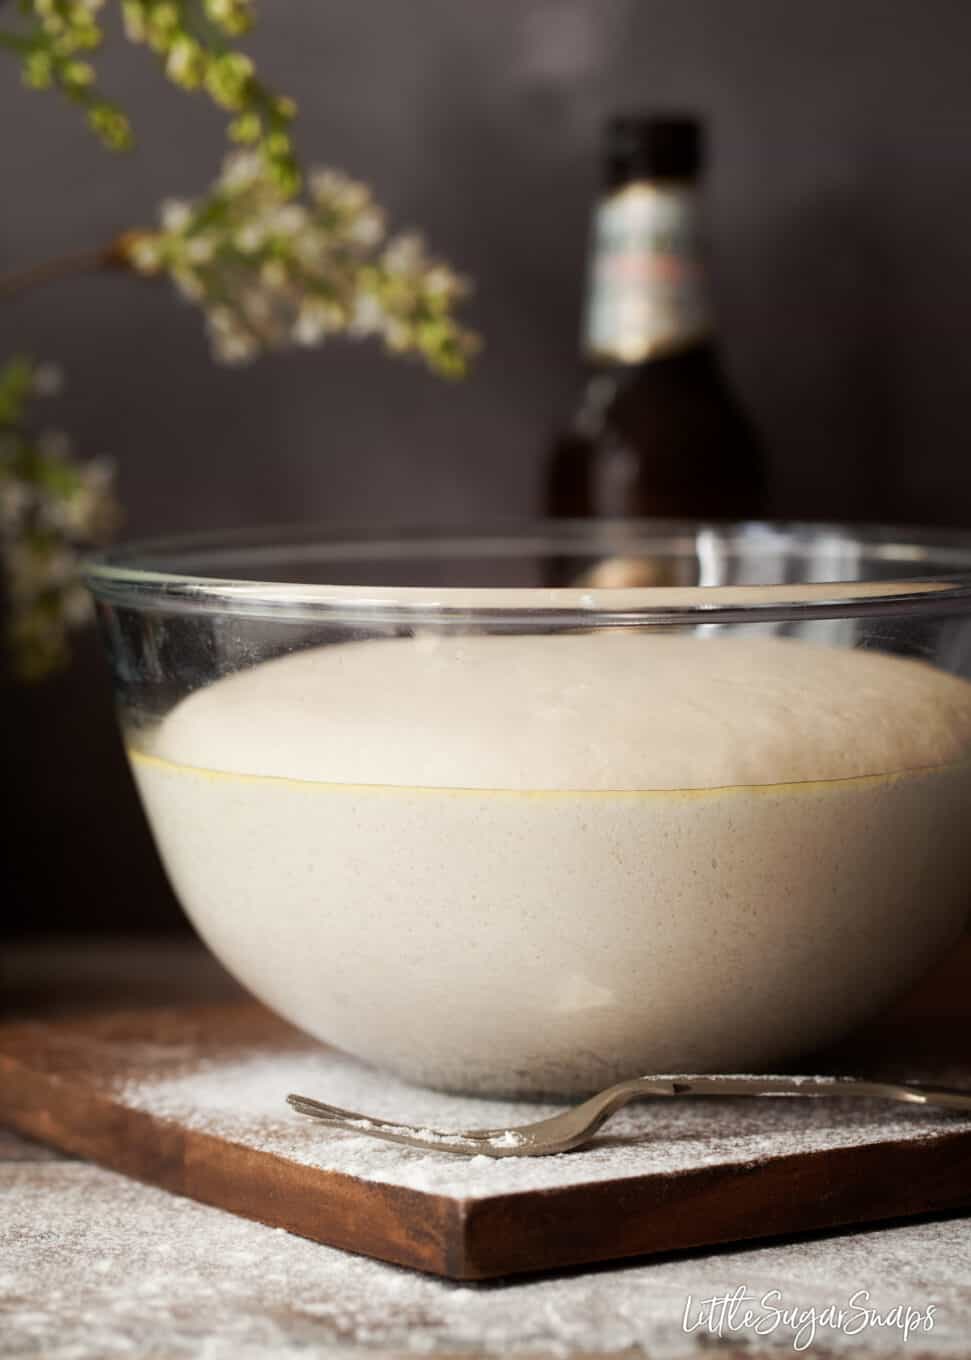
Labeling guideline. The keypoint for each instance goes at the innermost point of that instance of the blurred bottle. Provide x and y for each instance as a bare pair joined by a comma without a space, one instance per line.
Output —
657,430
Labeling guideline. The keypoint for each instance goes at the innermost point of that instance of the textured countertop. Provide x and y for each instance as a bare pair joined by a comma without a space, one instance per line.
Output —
93,1264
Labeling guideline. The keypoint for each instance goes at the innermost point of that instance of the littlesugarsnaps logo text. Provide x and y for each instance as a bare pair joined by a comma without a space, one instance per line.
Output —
767,1315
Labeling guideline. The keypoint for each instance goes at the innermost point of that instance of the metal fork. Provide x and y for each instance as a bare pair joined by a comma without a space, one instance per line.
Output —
574,1127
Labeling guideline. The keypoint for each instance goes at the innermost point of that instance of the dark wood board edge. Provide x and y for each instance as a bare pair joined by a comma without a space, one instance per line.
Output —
483,1238
470,1239
582,1224
406,1227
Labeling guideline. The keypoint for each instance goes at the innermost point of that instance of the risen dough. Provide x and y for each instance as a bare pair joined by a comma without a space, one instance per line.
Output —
583,712
533,864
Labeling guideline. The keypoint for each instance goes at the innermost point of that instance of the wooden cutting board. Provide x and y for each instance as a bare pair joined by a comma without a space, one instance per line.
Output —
192,1098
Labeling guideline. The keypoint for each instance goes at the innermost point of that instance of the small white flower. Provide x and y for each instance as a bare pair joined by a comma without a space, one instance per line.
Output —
367,229
242,169
231,342
368,315
405,254
352,197
289,219
182,60
221,320
175,214
199,249
134,21
397,334
310,249
256,306
440,282
236,349
315,318
98,475
146,254
273,273
308,329
188,284
324,183
250,237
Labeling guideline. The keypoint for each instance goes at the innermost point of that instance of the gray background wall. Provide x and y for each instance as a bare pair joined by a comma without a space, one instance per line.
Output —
840,216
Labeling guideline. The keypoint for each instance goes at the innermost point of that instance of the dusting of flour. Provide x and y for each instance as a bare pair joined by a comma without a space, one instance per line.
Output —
93,1265
243,1100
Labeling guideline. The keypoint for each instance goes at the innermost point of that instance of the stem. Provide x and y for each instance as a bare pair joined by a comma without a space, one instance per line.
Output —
63,266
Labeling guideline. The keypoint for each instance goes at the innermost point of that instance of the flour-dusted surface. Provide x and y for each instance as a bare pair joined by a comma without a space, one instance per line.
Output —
244,1100
93,1265
96,1267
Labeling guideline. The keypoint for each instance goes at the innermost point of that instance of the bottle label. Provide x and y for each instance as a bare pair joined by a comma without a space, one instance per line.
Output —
646,295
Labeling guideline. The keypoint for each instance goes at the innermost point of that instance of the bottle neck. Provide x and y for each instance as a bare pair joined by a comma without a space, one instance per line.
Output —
646,293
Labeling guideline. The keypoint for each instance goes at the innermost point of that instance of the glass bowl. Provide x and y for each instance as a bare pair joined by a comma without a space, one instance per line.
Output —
470,807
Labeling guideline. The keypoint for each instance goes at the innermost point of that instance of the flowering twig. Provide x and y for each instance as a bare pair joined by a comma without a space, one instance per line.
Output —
54,43
61,267
51,505
267,269
270,271
58,38
272,257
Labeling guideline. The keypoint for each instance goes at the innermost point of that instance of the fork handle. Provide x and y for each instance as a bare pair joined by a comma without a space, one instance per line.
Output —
942,1097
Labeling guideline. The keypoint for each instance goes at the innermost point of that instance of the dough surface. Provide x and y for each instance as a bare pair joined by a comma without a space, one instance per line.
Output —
593,711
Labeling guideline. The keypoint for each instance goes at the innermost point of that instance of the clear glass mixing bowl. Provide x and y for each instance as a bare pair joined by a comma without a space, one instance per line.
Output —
500,833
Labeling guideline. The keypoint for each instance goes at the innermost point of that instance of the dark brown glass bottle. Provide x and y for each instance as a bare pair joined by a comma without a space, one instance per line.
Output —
657,430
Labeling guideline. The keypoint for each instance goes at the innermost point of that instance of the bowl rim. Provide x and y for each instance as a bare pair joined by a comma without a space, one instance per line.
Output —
133,575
